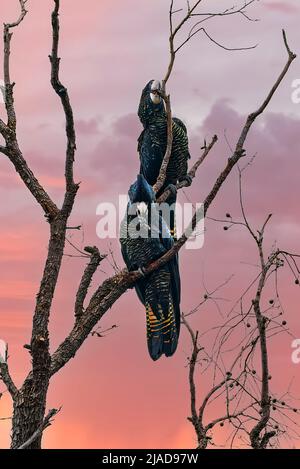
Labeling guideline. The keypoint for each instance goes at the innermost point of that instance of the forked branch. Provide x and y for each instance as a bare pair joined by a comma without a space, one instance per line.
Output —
62,92
8,130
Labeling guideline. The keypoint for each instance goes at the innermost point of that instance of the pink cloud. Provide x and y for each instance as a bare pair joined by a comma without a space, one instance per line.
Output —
89,127
282,7
128,126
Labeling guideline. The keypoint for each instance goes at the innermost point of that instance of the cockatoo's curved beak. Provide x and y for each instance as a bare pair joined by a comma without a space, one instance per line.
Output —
154,95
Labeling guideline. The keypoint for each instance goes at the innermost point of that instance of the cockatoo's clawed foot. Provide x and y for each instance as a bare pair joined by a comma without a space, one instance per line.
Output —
172,188
187,179
142,271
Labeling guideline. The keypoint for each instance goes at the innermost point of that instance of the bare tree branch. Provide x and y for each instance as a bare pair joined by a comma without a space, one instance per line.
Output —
199,30
7,380
239,149
194,30
95,259
60,89
173,33
202,430
262,321
22,14
253,418
164,165
9,101
230,11
8,131
173,51
3,149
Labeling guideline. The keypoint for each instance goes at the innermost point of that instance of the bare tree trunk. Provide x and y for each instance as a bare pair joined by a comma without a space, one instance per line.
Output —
30,404
28,412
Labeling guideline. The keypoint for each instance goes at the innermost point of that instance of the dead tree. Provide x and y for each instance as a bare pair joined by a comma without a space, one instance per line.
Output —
241,384
29,401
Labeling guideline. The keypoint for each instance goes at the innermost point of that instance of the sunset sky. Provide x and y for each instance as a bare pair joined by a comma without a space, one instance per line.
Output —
112,394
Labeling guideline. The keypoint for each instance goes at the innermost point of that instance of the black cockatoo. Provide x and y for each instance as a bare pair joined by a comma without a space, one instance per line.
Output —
152,144
144,237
